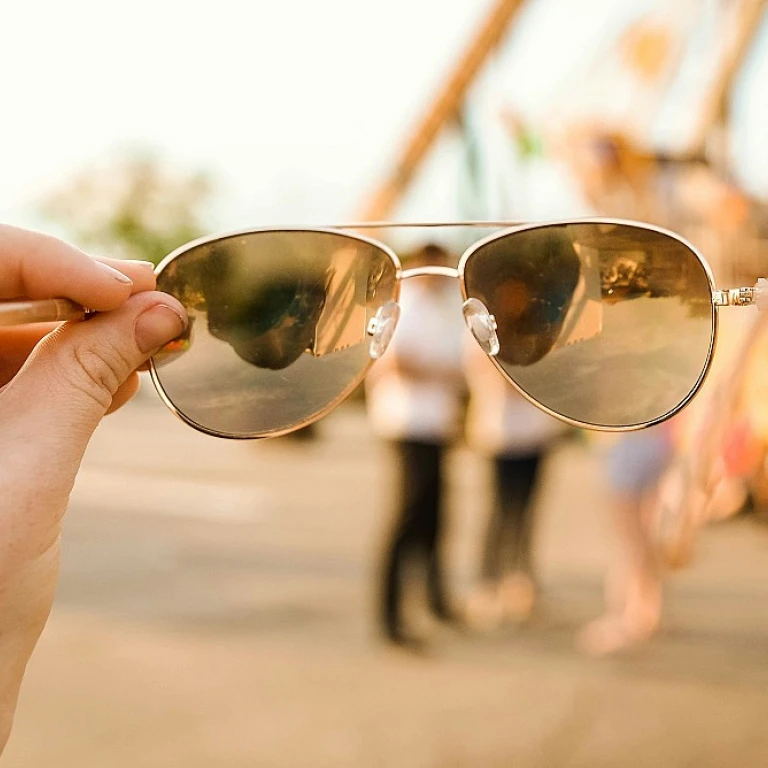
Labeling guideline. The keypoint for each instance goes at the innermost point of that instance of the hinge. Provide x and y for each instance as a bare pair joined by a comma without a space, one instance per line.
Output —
734,297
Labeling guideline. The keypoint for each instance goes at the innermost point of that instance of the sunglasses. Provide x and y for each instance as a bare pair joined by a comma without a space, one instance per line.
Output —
602,323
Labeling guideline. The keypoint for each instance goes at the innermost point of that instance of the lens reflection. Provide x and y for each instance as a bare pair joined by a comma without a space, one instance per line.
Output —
278,327
606,324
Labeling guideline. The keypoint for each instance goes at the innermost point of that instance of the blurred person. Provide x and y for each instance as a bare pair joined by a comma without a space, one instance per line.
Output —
56,384
516,436
414,397
635,465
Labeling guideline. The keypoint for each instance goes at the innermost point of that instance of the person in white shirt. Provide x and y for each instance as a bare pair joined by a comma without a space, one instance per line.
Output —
414,398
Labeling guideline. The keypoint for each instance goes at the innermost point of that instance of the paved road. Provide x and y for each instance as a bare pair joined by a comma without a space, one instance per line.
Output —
215,602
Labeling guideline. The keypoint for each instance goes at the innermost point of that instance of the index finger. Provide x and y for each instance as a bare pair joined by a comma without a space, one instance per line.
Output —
39,266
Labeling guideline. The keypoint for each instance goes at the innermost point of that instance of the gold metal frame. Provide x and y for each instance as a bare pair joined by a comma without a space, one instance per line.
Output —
505,228
12,313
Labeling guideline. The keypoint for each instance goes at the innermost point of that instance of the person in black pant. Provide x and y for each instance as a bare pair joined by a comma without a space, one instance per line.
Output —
516,437
509,535
414,397
416,534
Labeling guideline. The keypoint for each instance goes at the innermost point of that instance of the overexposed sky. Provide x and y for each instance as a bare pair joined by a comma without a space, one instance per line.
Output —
296,108
290,104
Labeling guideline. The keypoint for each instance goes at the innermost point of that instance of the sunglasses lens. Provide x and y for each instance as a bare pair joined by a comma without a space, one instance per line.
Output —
278,328
609,325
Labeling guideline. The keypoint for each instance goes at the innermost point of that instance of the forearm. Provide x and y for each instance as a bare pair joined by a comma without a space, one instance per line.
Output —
25,603
10,683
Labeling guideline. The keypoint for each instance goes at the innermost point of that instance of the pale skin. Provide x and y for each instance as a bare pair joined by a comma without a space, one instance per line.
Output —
56,384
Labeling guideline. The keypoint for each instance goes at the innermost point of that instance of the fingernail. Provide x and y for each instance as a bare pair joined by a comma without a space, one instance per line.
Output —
157,326
140,263
119,276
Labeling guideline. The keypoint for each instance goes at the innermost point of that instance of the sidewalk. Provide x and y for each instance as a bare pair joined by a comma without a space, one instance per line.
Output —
215,603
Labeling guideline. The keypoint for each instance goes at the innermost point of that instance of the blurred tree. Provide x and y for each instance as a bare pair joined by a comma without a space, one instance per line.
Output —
132,206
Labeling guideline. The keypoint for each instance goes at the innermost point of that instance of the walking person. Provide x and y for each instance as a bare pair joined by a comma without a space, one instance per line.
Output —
414,399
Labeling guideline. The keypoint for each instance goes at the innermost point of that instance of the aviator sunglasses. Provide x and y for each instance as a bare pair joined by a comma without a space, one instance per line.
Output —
602,323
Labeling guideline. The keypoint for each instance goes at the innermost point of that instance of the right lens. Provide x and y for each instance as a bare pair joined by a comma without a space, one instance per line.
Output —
278,327
608,324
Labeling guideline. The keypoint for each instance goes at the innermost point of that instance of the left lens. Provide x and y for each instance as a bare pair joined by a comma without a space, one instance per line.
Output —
606,324
278,327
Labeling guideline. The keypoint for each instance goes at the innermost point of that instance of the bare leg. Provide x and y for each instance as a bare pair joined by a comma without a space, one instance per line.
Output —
633,585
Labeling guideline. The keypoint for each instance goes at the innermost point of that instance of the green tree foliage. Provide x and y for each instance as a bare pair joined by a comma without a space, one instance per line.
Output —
132,206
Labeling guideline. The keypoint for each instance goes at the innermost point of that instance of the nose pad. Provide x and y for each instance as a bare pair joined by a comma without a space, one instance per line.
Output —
482,324
382,327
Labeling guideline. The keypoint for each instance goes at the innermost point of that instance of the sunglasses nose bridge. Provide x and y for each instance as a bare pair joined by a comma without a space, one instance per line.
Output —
433,270
381,326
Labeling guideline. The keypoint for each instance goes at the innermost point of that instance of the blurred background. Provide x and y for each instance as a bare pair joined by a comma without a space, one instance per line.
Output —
219,599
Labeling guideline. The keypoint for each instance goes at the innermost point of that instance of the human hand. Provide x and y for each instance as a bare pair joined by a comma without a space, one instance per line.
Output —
56,384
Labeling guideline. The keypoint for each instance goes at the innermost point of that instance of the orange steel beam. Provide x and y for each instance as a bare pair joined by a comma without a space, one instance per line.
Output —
750,15
445,106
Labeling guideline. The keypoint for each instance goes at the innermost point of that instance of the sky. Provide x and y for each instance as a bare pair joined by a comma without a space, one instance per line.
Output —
295,108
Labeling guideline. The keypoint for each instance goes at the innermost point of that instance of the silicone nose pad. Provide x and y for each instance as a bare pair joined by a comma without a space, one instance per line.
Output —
482,324
382,327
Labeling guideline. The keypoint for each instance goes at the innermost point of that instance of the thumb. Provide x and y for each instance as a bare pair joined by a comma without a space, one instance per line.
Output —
67,384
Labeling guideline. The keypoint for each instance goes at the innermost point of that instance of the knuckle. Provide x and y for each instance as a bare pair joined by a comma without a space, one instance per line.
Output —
97,371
